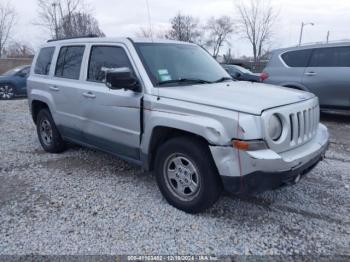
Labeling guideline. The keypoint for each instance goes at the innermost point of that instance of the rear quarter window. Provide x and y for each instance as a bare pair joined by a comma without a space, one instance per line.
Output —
331,57
43,62
298,58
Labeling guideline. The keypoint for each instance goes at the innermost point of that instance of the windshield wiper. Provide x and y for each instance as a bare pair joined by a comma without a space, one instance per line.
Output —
223,79
184,80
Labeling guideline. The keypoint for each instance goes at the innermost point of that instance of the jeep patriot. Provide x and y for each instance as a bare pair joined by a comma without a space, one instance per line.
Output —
170,108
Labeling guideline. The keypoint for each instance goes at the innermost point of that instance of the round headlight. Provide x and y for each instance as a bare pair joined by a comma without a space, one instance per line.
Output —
275,128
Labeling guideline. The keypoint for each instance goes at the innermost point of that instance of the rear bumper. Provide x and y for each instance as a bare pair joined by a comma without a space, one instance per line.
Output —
256,171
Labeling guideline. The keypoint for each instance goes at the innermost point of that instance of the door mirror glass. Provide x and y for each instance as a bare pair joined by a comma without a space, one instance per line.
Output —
23,73
121,78
236,75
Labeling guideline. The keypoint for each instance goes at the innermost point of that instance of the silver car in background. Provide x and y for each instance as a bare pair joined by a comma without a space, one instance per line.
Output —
323,69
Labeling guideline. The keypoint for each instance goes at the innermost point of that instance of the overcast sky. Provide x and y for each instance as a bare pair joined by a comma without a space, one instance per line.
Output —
125,17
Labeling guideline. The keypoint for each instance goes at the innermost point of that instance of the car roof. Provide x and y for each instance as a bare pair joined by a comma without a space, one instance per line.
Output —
313,46
85,40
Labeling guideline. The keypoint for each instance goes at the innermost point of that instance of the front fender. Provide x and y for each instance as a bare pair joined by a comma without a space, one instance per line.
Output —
209,129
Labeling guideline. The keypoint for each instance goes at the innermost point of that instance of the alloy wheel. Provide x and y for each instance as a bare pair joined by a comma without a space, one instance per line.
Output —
6,92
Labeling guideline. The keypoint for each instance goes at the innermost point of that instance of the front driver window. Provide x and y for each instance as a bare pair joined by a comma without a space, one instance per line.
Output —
106,56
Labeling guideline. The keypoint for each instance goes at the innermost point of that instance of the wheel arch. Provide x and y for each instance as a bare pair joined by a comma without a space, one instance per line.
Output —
36,106
160,135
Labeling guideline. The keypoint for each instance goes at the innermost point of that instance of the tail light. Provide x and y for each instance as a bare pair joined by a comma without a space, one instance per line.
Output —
264,76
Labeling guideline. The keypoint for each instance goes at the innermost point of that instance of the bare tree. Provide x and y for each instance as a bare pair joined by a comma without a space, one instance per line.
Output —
79,24
19,49
184,28
228,57
144,32
219,30
67,18
7,22
257,18
148,33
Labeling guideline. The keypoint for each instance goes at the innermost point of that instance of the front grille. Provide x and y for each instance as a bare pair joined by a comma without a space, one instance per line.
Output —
303,125
300,124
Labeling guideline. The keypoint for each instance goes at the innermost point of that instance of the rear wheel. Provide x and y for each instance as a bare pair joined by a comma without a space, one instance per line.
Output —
186,175
7,91
48,133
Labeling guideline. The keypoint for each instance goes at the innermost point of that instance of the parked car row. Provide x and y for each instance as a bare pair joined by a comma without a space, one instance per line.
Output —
321,69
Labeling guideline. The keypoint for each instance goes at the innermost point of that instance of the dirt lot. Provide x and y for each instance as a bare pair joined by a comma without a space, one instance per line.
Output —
86,202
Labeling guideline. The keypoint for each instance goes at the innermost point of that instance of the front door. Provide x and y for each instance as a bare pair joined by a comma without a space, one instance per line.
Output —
112,116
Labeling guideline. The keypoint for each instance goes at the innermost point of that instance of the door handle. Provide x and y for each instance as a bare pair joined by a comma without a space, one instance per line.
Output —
54,88
89,95
310,74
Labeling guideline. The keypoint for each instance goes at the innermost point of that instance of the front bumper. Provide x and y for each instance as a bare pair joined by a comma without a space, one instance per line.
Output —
246,172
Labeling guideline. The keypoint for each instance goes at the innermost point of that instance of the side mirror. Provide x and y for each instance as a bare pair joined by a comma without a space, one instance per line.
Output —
121,78
236,75
22,74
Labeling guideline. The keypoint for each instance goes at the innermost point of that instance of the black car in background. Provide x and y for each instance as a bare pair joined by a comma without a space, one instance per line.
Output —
14,82
242,74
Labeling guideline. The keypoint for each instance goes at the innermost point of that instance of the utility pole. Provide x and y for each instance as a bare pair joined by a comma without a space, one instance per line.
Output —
302,30
328,34
54,5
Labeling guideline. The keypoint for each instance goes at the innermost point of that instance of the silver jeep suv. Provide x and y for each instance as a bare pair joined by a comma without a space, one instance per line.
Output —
170,108
322,69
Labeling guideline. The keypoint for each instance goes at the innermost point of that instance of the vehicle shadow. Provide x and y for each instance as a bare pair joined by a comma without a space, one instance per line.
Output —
333,117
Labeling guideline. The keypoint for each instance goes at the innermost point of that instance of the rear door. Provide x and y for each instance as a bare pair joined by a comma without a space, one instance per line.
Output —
66,88
112,116
328,76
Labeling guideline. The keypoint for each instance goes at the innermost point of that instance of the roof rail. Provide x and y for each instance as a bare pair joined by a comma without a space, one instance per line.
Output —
76,37
325,43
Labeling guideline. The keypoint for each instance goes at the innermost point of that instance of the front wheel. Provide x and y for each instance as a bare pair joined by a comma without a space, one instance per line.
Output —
7,91
186,174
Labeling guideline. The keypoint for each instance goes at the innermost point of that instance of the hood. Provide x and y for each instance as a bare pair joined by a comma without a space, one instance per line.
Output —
4,78
247,97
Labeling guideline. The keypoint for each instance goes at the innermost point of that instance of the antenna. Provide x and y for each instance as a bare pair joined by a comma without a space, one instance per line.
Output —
328,34
149,20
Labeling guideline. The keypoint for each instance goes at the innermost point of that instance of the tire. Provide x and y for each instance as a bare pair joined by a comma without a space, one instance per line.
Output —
7,91
186,174
48,134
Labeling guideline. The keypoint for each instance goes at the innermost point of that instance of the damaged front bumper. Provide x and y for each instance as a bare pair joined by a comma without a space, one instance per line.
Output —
244,172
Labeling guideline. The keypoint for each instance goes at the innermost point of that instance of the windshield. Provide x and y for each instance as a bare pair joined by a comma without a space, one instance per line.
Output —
176,64
243,70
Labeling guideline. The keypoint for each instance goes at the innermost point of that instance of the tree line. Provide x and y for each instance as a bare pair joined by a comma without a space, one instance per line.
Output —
254,21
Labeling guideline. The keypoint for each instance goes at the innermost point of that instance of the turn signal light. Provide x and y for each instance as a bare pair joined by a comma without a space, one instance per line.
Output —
252,145
241,145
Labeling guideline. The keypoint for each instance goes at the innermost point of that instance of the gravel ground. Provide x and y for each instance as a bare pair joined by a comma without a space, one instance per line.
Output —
87,202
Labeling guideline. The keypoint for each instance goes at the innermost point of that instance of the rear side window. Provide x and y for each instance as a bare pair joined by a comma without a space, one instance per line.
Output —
69,62
331,57
298,58
106,56
43,62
